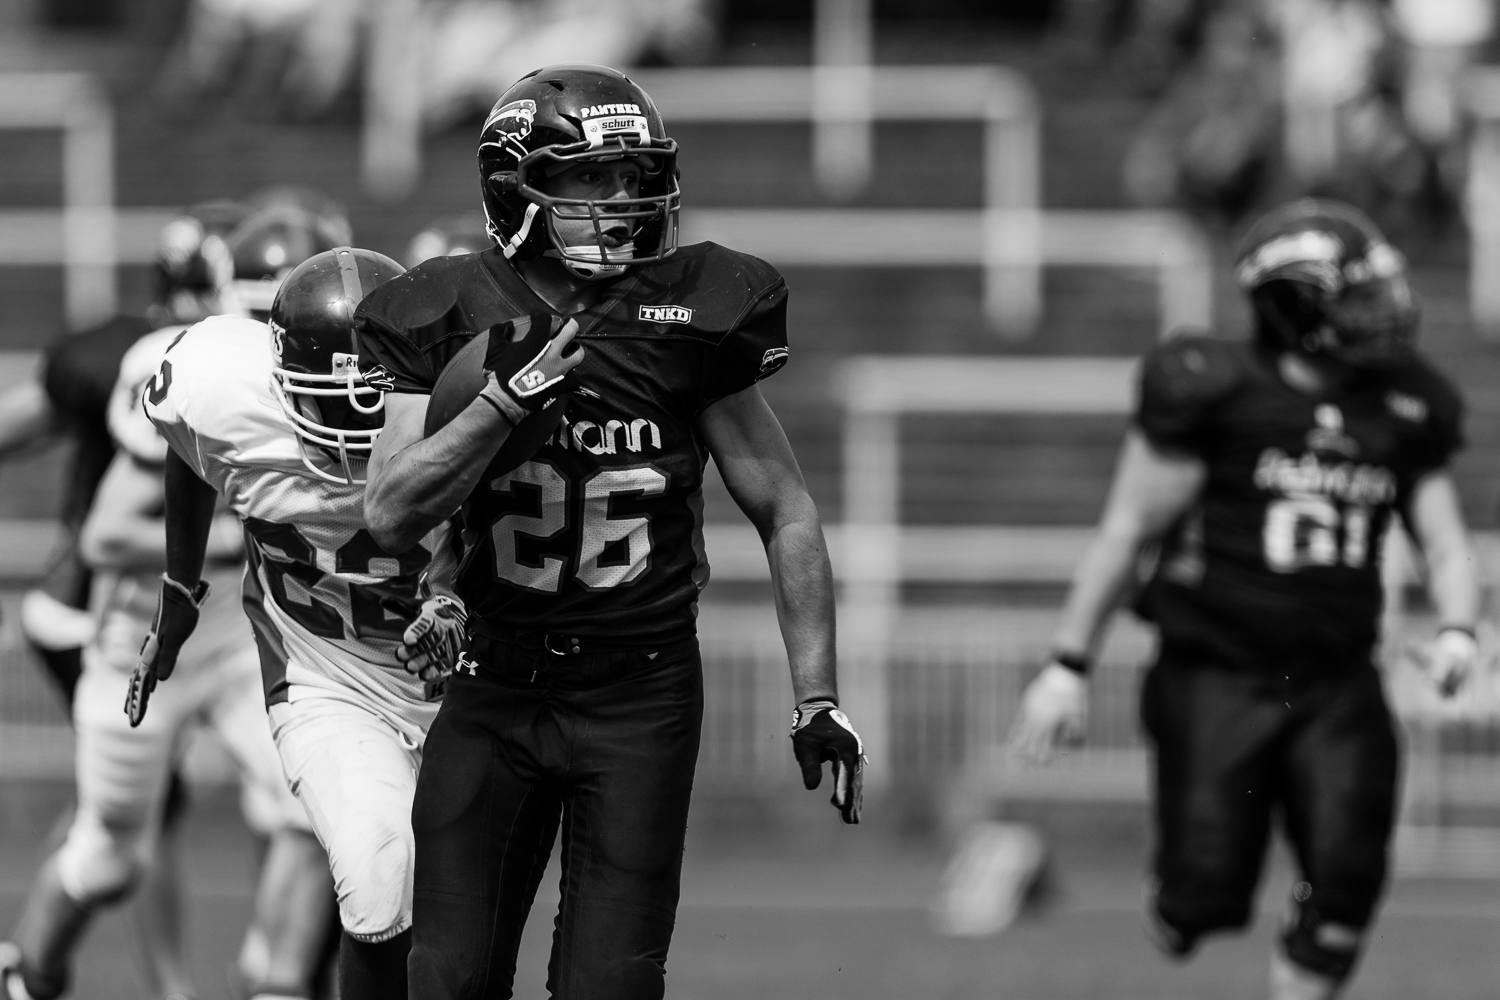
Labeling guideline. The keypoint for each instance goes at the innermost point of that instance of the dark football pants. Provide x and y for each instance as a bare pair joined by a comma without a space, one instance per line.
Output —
1234,747
604,742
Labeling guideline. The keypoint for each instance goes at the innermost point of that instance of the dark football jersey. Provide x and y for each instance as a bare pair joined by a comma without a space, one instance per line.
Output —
79,373
600,534
1279,561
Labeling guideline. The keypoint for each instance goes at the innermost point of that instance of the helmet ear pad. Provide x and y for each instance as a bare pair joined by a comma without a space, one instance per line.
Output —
503,187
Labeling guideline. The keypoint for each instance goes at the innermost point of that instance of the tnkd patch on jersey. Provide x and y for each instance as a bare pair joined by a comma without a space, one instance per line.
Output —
665,314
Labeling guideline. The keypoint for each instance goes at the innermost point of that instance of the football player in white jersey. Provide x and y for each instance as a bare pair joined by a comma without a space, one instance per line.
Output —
355,640
122,770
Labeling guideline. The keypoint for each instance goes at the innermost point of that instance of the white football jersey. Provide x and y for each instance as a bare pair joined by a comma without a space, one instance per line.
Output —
124,602
327,603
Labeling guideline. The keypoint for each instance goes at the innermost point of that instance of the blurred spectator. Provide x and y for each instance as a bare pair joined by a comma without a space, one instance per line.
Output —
293,55
299,55
1148,40
1443,38
1289,97
478,48
1329,53
450,236
1210,141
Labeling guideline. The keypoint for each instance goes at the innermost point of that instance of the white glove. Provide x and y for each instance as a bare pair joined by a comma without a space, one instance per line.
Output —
431,644
1054,709
1449,660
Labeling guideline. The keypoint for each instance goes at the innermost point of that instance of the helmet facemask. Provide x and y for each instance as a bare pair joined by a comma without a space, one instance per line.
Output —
334,416
651,216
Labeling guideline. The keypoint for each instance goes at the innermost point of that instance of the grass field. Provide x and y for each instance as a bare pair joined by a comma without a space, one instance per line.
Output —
792,905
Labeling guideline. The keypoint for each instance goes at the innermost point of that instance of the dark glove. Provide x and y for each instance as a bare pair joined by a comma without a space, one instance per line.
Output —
176,617
820,732
529,365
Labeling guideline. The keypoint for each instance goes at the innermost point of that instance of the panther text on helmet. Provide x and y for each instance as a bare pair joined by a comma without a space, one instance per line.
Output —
576,165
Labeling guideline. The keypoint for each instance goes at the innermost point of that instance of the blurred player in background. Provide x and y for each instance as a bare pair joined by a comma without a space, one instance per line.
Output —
583,565
69,399
122,771
450,236
354,642
1269,471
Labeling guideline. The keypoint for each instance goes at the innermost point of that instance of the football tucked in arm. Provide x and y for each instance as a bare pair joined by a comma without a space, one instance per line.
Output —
460,383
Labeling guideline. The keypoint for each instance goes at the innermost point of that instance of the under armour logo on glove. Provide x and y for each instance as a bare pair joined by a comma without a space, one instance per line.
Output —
820,732
176,617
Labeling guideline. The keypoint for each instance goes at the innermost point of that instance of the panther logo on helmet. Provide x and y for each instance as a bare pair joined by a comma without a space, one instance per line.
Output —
523,114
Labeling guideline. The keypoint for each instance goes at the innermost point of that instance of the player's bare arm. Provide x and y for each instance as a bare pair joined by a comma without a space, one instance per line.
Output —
416,482
1151,490
189,520
125,528
756,461
26,417
753,455
190,523
1452,579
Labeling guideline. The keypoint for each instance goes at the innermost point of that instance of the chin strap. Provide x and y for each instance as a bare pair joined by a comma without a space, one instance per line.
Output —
587,269
510,247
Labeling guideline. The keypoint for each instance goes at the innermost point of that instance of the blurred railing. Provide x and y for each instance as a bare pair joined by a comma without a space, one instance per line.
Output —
80,235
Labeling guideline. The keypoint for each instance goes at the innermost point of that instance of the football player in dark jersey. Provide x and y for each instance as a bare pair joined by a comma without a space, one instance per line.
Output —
582,705
1270,471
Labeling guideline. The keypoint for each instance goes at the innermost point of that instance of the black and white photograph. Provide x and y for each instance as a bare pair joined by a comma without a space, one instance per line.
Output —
733,499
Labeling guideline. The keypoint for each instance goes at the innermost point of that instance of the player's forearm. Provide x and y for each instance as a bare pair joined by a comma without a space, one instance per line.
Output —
1106,570
26,417
189,521
802,584
1453,584
423,484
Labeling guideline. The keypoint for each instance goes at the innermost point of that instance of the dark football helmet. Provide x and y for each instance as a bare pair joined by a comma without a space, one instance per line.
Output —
1323,280
562,115
315,367
450,236
193,265
267,245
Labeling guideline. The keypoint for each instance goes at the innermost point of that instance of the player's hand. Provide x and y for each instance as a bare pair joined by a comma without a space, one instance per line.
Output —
431,644
1449,661
528,365
176,617
1053,710
820,732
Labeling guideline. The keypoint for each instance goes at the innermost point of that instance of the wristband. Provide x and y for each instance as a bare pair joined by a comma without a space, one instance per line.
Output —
1075,662
493,394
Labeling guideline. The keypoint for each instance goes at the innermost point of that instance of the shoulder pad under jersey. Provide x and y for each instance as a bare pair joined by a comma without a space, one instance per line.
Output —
128,424
731,299
406,323
212,391
1181,381
1422,396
